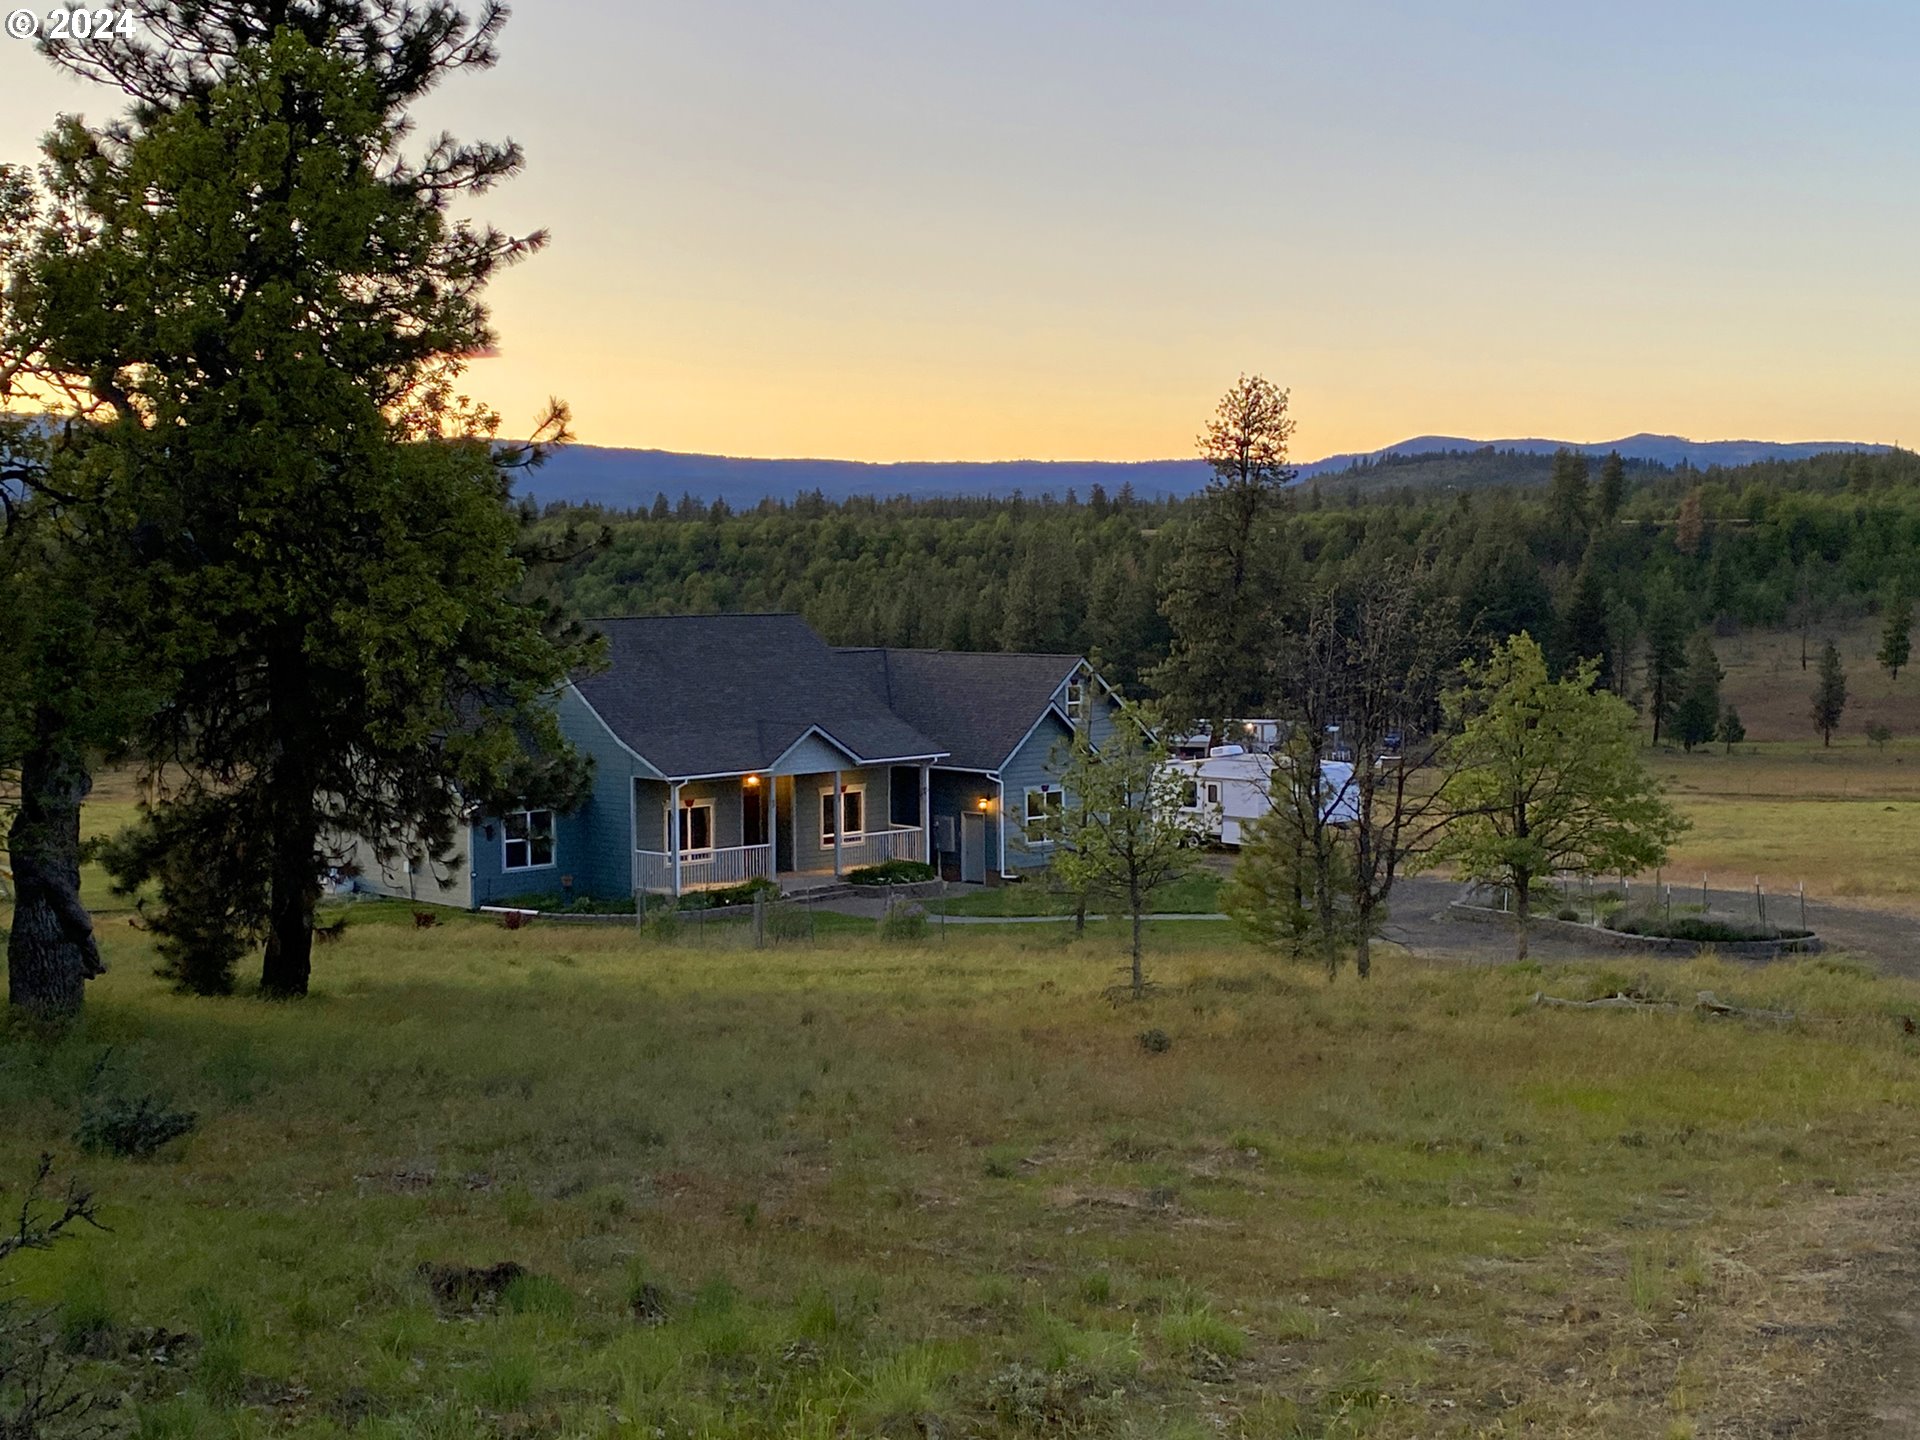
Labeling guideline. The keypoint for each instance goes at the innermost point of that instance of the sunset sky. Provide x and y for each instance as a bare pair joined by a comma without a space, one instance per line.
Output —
977,230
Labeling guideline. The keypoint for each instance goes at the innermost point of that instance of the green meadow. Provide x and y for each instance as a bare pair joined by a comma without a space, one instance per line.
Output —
856,1189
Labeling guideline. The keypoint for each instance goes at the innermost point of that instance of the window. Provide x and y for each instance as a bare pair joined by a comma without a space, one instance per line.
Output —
696,829
1213,793
1043,810
852,814
1077,701
529,840
1189,795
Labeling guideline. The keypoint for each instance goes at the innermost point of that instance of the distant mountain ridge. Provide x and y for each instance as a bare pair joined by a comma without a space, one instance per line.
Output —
1657,449
629,479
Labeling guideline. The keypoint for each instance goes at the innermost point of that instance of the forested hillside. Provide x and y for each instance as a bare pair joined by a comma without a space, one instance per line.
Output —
1585,561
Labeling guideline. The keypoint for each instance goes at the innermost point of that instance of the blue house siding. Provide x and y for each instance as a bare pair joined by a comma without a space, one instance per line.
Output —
954,793
592,843
1040,761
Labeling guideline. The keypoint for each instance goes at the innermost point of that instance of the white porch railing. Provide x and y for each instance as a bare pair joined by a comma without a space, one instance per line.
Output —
879,846
700,869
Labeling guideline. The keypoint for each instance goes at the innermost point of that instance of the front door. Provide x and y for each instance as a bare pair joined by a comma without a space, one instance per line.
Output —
753,814
973,847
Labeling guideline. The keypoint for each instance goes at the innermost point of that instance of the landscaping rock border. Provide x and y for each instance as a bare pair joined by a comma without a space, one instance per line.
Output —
1647,944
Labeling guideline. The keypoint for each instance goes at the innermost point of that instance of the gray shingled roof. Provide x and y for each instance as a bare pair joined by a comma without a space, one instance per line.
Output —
729,694
978,706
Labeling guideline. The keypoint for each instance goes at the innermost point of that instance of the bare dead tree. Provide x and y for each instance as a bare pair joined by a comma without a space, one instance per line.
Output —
38,1396
1368,666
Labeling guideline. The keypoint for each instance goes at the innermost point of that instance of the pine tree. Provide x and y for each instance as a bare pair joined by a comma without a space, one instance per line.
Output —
1666,629
1226,585
332,575
1731,731
1896,633
1829,693
1697,715
1613,489
1568,514
1583,631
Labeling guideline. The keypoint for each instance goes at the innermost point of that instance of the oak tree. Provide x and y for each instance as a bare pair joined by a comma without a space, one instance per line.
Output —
1551,780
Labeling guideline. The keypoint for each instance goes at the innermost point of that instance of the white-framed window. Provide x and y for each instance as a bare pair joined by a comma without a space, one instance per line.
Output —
696,829
527,842
1189,794
853,815
1043,809
1213,792
1077,701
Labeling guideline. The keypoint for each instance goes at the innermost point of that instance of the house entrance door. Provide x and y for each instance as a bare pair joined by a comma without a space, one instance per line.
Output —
753,814
973,847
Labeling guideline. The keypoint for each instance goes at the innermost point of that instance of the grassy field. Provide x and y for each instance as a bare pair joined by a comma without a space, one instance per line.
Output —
858,1190
1774,694
1844,821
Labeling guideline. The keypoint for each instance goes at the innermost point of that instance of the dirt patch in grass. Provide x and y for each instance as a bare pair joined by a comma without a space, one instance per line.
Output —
470,1287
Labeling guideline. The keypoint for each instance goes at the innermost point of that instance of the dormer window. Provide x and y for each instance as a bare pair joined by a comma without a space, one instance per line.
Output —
1077,701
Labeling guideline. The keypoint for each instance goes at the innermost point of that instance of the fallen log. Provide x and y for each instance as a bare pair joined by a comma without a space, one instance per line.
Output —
1706,1003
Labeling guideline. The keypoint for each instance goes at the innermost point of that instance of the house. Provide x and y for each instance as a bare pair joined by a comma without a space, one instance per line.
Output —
728,748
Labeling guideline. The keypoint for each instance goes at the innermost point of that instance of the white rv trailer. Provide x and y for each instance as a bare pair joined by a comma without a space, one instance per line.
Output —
1232,787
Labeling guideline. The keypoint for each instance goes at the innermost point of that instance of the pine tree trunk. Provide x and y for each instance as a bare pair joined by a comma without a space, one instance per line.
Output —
1363,954
293,883
288,963
51,953
1522,911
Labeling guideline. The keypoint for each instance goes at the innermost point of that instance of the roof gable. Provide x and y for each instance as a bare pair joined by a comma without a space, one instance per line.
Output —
979,706
730,694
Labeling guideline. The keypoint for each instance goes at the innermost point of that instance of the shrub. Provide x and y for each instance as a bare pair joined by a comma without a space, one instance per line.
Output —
1703,931
1155,1041
728,895
131,1129
893,872
549,903
1068,1401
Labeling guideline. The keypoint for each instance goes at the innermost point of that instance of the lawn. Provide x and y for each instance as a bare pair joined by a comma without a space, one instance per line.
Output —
857,1189
1194,894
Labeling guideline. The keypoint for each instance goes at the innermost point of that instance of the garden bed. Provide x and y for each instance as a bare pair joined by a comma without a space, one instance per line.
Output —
1725,942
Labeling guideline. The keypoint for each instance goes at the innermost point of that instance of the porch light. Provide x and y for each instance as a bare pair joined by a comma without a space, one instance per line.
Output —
752,782
983,803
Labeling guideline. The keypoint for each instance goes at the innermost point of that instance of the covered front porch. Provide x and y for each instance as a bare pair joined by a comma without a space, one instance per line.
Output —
707,833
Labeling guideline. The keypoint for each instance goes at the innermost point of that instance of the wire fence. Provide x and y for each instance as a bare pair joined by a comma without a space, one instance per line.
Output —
1641,904
773,921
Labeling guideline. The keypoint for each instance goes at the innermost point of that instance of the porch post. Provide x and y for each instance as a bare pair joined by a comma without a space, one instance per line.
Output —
926,812
673,834
839,820
773,828
1000,813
